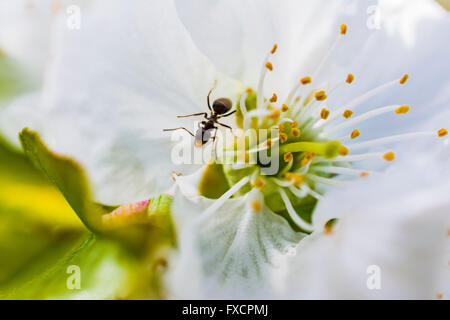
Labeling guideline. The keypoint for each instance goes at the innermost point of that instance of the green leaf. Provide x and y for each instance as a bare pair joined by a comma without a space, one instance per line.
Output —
13,79
67,175
106,271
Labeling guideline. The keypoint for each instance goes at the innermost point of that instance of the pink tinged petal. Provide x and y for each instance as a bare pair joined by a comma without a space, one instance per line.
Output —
126,214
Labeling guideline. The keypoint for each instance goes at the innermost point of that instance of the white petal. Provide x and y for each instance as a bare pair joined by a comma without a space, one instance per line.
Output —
397,223
237,35
232,252
115,84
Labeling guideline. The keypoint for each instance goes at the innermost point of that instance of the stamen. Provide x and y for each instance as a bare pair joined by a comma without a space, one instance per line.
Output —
288,157
242,103
219,202
299,192
294,123
364,174
343,151
307,158
284,108
324,113
320,95
281,127
266,66
256,205
343,31
305,80
310,191
259,183
283,137
356,157
295,132
340,170
355,134
296,178
330,182
404,78
273,98
386,140
282,183
390,156
275,114
347,114
350,78
293,214
365,116
442,132
402,110
356,102
274,49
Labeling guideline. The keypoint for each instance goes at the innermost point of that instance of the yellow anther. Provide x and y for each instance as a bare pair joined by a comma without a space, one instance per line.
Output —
402,110
364,174
328,229
294,123
305,80
390,156
350,78
442,132
298,179
355,134
256,205
259,183
288,157
320,95
283,137
324,113
295,132
404,78
274,98
281,127
268,142
347,114
275,114
343,29
308,157
269,65
249,90
274,49
284,108
343,151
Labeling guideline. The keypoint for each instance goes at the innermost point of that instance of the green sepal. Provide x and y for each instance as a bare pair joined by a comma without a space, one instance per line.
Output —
213,182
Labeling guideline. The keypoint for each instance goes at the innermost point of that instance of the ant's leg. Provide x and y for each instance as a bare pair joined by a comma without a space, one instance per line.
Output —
194,114
214,142
224,125
182,128
209,93
228,114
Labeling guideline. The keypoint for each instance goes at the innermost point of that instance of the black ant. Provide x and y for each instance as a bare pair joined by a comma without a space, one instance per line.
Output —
220,109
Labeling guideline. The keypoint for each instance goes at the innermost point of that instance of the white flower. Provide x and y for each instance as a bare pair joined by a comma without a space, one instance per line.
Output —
114,85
